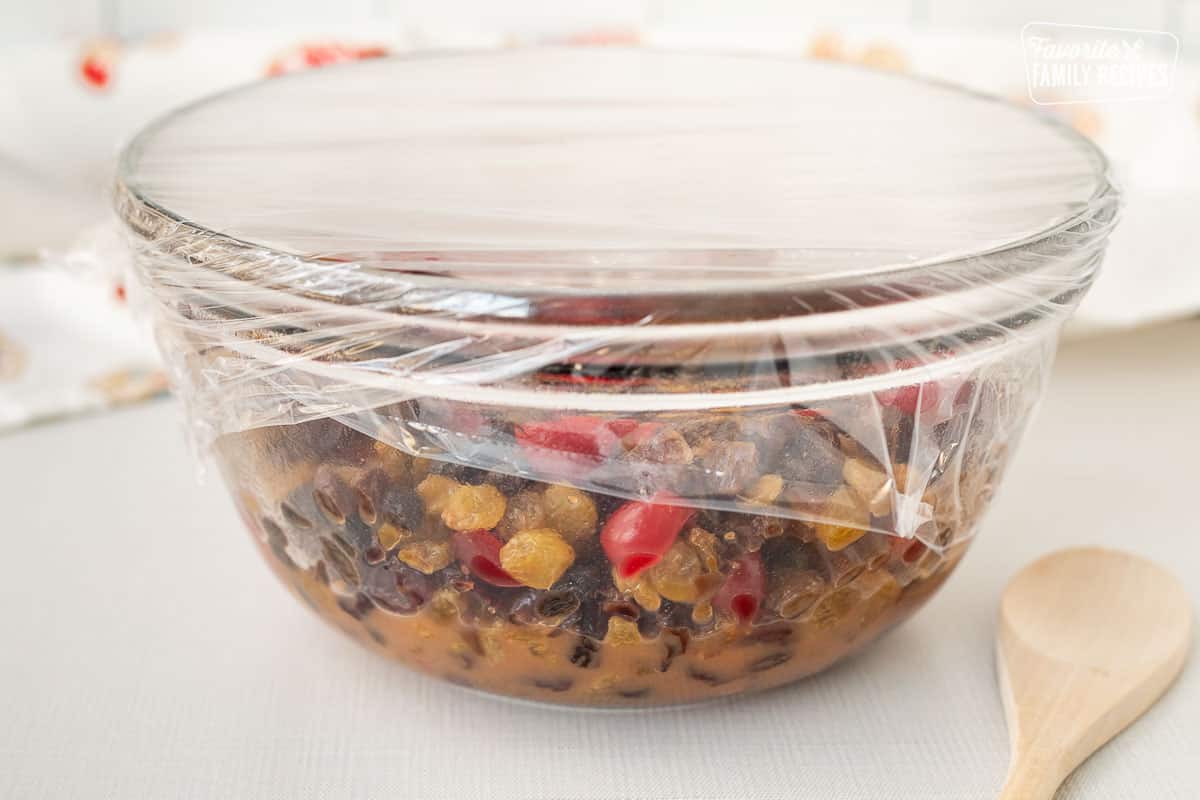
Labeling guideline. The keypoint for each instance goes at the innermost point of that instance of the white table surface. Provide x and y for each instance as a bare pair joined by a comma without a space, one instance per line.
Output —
146,653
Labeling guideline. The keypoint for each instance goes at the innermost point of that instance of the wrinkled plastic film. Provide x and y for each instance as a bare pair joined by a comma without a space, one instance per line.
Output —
869,374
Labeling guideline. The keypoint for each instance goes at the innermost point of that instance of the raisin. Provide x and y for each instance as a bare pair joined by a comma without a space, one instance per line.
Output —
769,662
770,634
675,640
570,512
293,517
556,604
585,653
473,508
330,494
358,606
537,558
336,557
697,674
553,684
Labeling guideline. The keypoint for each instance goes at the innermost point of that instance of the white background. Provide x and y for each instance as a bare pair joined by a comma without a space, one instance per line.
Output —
22,20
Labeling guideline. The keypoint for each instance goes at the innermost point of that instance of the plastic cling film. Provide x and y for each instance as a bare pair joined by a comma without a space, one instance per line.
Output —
484,271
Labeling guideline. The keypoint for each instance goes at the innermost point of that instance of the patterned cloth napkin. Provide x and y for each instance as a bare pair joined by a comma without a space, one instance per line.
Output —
67,343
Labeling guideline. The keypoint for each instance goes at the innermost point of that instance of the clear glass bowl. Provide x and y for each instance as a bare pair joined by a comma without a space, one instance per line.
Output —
615,377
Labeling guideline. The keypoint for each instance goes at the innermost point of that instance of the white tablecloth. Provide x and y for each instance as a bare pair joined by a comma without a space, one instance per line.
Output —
145,651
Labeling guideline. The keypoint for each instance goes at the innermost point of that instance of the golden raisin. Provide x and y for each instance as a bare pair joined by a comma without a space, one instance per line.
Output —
435,492
846,521
640,589
706,545
525,511
621,631
677,576
702,613
834,607
765,490
871,484
426,556
390,536
570,512
537,557
393,462
473,508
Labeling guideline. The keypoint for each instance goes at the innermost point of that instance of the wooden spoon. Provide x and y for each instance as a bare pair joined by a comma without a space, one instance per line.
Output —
1088,640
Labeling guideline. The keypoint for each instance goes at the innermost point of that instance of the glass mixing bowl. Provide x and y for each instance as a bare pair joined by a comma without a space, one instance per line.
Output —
611,377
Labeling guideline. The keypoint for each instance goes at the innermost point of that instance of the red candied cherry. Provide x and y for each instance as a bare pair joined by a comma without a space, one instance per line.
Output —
479,552
567,446
742,593
639,533
912,398
624,427
908,550
639,432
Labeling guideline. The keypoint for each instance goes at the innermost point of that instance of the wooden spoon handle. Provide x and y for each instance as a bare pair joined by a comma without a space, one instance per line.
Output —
1029,781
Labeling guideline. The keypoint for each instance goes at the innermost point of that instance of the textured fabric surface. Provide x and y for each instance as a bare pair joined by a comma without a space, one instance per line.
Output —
147,652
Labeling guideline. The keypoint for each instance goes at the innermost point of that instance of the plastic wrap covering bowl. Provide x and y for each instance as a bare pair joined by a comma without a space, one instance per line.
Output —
611,377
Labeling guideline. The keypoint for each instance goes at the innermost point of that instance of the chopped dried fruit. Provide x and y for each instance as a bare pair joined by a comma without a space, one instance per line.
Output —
870,483
662,446
567,446
479,553
742,593
737,593
640,589
470,508
765,490
537,558
706,545
525,511
389,535
622,631
730,466
847,521
426,556
396,464
679,576
570,512
638,533
798,593
435,492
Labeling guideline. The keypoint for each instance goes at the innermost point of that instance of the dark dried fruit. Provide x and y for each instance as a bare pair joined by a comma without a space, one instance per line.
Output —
769,662
339,562
556,604
697,674
730,467
331,495
585,653
357,607
293,517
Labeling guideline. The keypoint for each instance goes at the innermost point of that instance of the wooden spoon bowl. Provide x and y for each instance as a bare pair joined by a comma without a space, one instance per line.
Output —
1088,640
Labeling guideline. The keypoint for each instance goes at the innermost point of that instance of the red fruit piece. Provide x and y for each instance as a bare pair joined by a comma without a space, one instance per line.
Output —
638,533
624,427
908,550
637,433
567,446
479,552
742,592
912,398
